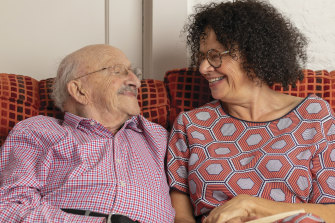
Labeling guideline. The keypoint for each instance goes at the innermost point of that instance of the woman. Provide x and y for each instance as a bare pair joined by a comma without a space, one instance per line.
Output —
253,152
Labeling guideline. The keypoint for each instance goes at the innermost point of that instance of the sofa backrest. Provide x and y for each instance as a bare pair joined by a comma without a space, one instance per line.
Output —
22,97
19,99
188,89
152,97
320,83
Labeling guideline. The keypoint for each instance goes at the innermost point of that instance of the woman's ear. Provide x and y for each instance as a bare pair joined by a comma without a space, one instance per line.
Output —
77,92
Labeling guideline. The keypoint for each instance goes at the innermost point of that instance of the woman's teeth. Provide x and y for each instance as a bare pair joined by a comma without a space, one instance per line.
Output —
215,79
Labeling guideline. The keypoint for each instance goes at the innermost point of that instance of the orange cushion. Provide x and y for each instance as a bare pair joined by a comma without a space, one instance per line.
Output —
154,102
321,83
187,89
47,106
19,99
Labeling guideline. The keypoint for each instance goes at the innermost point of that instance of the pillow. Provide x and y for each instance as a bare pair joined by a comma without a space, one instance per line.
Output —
320,83
187,89
47,106
154,102
19,99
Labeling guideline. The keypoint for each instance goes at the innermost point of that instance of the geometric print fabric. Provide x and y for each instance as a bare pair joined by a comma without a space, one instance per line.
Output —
213,156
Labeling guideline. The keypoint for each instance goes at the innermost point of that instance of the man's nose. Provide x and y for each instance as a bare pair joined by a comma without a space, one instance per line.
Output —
132,79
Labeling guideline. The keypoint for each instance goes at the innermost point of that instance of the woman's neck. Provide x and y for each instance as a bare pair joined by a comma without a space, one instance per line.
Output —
264,104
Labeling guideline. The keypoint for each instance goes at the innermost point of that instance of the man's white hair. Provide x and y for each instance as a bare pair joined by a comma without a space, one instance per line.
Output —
66,71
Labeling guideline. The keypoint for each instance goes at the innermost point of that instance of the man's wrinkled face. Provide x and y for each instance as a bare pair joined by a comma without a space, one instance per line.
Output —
113,91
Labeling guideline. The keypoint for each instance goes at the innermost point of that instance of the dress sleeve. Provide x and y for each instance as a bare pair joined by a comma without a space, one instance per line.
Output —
22,176
178,155
323,164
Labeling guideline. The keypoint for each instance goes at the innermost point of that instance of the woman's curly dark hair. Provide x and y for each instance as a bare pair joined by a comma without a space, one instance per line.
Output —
269,44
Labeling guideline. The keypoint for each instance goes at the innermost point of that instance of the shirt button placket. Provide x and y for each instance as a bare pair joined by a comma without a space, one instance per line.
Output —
118,166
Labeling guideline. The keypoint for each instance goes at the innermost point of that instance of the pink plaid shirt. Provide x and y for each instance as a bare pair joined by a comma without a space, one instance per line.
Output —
48,164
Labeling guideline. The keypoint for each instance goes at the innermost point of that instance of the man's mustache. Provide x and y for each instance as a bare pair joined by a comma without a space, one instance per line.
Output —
131,89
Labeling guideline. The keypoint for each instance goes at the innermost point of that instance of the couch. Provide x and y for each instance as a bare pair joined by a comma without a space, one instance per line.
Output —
161,101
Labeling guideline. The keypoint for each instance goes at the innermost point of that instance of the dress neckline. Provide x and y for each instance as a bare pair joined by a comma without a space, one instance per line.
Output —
289,112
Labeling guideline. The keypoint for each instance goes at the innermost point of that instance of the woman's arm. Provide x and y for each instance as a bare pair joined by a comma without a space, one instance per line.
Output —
183,207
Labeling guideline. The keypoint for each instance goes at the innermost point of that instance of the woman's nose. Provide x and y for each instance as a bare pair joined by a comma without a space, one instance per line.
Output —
205,67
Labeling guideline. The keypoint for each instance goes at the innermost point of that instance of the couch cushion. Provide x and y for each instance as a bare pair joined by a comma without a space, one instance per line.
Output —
187,89
47,106
152,98
154,102
19,99
321,83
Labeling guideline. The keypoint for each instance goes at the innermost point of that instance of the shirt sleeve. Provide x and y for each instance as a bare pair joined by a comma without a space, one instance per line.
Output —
323,165
178,155
23,174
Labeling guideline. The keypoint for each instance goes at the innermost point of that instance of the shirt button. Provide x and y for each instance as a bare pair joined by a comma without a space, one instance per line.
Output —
122,183
118,160
92,123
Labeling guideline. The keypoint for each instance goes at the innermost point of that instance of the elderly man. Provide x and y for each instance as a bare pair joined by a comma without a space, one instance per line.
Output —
103,161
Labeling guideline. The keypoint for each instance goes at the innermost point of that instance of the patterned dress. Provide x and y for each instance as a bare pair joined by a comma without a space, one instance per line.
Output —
213,156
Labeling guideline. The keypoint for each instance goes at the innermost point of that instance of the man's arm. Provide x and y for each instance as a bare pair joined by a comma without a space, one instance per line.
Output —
23,175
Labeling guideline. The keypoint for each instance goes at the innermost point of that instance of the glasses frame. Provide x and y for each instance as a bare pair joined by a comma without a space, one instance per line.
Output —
220,54
106,68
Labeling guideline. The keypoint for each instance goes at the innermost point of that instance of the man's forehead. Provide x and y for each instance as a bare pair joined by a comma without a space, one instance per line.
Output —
108,59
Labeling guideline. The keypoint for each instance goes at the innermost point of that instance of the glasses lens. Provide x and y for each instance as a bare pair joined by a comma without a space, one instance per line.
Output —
214,58
119,70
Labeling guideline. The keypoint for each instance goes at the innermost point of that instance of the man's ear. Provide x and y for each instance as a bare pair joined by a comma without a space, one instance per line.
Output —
77,92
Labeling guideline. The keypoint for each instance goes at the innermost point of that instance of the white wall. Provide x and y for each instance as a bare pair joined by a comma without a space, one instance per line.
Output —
314,18
125,28
168,47
36,34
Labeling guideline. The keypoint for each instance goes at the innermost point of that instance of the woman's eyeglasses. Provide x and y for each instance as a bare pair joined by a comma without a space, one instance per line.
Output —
214,57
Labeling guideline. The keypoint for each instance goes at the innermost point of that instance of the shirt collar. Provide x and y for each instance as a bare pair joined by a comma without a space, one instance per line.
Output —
74,121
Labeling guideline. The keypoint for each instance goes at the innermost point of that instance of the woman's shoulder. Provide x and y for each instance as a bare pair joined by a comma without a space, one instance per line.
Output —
314,107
